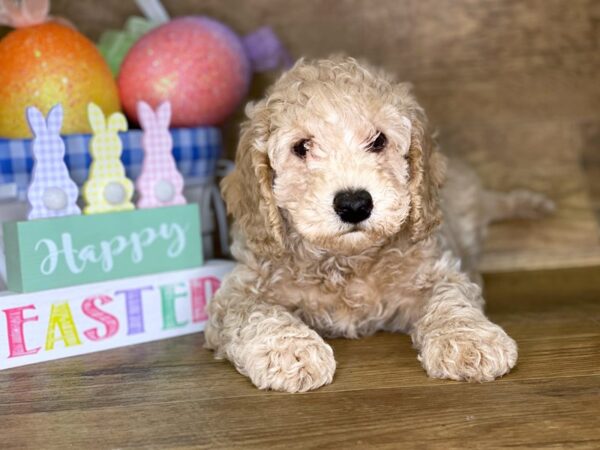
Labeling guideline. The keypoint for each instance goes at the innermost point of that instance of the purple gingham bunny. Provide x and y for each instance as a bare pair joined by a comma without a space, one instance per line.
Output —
52,192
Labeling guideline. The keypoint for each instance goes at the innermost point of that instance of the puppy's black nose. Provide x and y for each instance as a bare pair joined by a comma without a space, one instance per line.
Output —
353,206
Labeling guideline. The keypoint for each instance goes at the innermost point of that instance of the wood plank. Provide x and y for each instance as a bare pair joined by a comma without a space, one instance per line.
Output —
555,413
175,394
121,377
525,292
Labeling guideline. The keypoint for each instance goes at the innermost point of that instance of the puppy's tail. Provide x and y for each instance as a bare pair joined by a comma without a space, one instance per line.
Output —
516,204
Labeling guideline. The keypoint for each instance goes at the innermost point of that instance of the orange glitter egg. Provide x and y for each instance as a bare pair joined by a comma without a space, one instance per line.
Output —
46,64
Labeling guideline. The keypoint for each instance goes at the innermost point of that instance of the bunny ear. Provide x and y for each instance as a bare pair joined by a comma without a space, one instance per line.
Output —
55,119
24,13
36,11
117,122
163,115
36,121
96,118
10,13
146,115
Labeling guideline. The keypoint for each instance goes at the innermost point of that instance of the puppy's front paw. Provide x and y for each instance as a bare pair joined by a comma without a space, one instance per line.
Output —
290,363
480,352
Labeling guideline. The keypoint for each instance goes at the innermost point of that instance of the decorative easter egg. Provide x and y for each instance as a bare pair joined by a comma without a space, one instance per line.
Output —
197,64
49,63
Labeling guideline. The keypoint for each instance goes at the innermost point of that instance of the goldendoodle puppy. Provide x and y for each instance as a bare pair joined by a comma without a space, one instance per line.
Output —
341,229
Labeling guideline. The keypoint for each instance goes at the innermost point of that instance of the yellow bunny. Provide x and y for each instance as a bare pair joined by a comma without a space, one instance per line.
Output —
107,188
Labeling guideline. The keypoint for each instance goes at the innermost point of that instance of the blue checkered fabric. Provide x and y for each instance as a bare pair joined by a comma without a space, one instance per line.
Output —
196,151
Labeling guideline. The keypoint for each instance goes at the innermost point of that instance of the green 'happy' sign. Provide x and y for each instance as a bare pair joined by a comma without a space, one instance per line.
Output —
66,251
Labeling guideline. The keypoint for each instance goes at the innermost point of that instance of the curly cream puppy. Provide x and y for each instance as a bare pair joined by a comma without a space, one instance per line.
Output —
337,209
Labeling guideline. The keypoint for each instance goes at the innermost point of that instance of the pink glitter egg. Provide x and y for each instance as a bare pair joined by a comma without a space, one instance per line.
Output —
196,63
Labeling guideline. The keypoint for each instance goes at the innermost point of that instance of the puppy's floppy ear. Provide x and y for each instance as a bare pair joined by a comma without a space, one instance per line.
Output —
427,168
248,189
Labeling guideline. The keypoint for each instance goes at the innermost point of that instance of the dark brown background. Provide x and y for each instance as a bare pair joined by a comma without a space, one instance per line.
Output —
511,85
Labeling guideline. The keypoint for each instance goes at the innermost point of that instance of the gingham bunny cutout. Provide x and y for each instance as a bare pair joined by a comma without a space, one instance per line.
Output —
159,183
52,192
107,188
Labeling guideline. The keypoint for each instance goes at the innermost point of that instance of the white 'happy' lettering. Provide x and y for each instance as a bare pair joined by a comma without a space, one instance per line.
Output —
104,252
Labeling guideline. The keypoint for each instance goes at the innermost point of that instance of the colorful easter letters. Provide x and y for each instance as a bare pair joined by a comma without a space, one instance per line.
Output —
71,321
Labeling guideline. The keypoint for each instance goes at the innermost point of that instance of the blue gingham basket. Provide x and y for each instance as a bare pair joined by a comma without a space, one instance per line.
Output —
196,151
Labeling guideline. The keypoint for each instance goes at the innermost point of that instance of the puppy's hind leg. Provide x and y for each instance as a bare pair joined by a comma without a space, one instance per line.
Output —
516,204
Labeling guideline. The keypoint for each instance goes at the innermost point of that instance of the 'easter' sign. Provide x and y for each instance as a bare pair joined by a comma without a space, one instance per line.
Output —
72,321
74,250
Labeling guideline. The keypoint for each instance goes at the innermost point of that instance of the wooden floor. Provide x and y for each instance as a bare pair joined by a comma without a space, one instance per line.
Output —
172,394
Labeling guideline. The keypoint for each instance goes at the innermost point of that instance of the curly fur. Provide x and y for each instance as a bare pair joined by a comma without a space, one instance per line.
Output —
304,274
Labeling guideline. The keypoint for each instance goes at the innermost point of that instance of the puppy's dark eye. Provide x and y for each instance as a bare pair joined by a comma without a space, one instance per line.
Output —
378,144
301,148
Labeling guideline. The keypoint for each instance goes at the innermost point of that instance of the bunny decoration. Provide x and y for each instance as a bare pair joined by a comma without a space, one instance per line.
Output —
52,192
159,183
107,188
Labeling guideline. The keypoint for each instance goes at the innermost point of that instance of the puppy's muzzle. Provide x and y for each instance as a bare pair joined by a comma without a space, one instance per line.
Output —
353,206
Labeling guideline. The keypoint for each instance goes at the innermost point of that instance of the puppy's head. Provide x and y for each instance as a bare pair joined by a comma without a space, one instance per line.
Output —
340,155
